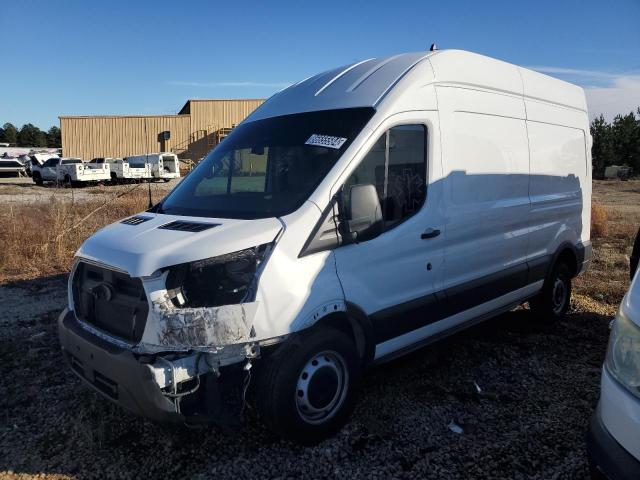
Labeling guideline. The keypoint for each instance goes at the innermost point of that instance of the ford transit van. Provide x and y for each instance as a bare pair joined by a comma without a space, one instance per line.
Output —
353,217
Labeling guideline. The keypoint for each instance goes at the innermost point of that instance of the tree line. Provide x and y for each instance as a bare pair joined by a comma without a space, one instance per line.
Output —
30,136
616,143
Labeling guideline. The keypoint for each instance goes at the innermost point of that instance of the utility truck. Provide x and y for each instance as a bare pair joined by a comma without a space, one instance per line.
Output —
162,166
353,217
122,171
69,172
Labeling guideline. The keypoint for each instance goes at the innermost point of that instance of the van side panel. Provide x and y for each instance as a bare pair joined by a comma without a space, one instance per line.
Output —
486,175
560,177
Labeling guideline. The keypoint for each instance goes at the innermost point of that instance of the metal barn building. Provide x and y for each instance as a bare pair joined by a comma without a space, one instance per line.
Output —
197,128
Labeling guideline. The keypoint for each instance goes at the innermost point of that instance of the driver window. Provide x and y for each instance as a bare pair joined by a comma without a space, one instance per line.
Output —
396,166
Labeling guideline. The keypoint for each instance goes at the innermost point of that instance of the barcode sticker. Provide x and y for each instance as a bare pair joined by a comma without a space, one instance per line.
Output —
325,141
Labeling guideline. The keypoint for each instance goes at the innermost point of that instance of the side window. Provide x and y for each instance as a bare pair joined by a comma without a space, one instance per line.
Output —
397,166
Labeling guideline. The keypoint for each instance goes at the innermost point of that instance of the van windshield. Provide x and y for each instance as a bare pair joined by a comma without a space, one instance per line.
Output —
267,168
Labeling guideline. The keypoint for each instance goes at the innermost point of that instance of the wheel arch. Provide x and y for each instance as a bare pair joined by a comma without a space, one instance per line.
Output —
356,324
566,253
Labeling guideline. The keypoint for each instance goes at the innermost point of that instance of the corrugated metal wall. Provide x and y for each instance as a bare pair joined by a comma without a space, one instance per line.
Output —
192,134
212,115
90,137
209,116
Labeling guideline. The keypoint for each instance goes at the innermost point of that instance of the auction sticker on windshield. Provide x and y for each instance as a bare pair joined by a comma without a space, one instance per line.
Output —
325,141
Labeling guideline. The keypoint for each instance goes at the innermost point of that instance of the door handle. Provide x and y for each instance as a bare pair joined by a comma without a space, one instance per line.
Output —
430,233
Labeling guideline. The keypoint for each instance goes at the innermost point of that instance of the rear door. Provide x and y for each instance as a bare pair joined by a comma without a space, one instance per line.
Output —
394,277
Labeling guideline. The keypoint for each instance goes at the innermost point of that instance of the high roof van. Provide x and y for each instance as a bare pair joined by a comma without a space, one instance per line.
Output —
353,217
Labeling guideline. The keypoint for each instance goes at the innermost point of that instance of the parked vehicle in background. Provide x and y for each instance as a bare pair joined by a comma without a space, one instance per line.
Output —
12,165
38,159
621,172
123,171
350,219
613,441
163,166
69,172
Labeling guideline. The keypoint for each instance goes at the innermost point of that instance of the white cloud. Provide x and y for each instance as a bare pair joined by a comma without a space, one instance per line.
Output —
607,93
621,96
595,74
230,84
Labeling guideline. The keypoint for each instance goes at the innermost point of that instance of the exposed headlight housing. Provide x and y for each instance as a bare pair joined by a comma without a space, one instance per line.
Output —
225,280
623,354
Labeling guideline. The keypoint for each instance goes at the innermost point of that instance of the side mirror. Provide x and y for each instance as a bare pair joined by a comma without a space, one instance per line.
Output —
364,213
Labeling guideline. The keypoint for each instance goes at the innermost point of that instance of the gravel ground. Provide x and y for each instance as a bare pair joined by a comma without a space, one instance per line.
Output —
537,389
22,190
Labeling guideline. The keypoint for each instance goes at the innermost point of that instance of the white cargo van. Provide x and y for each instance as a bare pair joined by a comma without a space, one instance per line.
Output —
163,166
353,217
122,171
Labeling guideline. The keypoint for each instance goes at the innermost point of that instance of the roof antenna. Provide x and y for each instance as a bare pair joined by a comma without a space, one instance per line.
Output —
433,48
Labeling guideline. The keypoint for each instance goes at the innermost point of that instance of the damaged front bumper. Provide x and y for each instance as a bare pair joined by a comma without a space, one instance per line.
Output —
169,387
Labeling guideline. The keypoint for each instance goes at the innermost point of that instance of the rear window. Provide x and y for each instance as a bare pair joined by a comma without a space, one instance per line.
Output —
71,162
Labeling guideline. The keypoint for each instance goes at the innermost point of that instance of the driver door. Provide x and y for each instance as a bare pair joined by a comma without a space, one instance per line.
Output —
394,277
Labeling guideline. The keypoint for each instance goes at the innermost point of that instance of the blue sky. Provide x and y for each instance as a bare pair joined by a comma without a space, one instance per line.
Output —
145,57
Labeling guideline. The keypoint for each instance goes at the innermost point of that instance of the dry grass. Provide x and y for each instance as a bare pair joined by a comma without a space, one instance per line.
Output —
598,220
40,239
607,278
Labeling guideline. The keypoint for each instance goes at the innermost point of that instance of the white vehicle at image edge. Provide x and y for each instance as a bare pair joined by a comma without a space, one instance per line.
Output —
613,441
122,171
354,216
164,166
69,172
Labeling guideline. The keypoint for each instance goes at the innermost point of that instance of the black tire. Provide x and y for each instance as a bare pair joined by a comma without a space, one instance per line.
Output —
166,169
635,256
37,179
289,383
67,182
552,303
114,178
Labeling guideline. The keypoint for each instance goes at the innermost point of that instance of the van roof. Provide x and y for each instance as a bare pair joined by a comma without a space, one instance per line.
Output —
366,83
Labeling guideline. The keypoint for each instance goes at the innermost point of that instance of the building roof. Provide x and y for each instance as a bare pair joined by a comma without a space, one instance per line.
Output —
186,109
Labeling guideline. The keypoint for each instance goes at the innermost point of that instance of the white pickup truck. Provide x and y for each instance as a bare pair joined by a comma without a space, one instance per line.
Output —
123,171
69,171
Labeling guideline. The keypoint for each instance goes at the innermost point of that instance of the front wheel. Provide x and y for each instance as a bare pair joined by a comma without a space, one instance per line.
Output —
306,390
552,302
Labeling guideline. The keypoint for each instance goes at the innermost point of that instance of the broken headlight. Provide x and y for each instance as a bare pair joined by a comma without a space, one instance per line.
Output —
225,280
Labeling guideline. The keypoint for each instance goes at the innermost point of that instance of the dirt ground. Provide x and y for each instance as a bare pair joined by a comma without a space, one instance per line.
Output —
521,392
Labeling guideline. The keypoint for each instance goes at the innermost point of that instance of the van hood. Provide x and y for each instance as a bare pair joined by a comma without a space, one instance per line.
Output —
142,248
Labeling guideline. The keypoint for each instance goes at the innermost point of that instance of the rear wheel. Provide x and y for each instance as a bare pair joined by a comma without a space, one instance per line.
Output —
307,389
37,178
552,302
67,182
114,177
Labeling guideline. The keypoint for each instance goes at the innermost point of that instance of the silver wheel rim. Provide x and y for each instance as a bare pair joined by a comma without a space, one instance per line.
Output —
322,387
558,295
